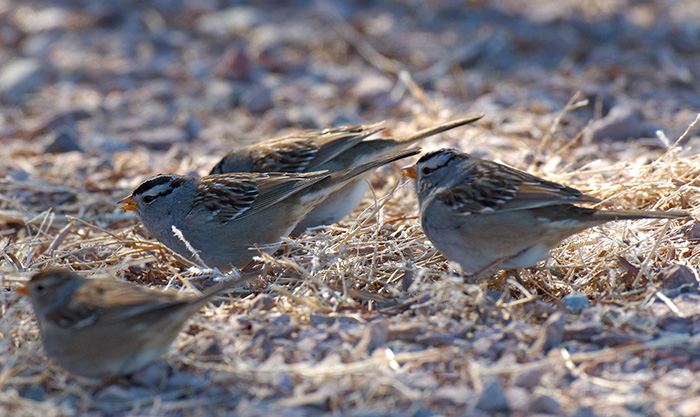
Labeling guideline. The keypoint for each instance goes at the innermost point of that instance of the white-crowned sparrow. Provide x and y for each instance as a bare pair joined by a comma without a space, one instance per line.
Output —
482,214
331,149
105,327
224,217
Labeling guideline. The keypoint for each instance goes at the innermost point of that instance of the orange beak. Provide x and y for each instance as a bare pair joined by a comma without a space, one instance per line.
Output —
23,290
410,172
127,203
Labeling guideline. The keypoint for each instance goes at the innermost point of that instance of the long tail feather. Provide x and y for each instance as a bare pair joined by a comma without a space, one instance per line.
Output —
434,130
348,174
244,278
610,215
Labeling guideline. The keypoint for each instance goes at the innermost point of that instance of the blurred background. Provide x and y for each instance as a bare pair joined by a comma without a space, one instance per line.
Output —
114,75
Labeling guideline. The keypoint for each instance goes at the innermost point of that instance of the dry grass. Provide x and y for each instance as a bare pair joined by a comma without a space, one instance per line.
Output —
364,317
376,270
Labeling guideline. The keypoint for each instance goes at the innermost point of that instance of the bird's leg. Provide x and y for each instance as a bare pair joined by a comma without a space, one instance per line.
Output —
476,275
515,281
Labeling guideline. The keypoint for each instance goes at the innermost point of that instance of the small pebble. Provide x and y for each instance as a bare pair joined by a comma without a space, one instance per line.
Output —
190,125
376,335
676,276
530,379
34,393
257,100
19,175
435,339
234,65
373,91
551,334
622,123
492,399
19,78
221,95
63,141
545,405
152,375
184,380
319,319
455,394
161,138
236,20
261,302
691,231
576,302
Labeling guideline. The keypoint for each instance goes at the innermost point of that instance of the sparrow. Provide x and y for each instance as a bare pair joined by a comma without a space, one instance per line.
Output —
482,214
332,149
105,327
223,220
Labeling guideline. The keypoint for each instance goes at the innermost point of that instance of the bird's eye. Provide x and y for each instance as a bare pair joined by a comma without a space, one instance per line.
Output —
427,170
148,199
39,289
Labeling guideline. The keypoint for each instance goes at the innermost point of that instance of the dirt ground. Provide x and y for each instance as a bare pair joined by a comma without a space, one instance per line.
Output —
363,318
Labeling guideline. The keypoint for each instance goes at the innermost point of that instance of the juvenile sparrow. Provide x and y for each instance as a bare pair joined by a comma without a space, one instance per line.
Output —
224,217
482,214
105,327
331,149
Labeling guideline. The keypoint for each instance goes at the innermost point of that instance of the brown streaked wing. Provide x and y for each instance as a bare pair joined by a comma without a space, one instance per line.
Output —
291,155
227,196
234,196
305,151
107,301
489,186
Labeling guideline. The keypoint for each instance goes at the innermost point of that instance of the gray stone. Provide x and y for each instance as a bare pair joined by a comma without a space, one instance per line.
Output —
19,78
321,319
691,231
34,393
376,335
63,141
111,145
235,65
622,123
435,339
530,379
38,45
19,175
373,91
688,407
455,394
257,100
551,334
492,399
190,125
220,95
261,302
152,375
231,21
675,276
161,138
545,405
584,412
576,302
185,380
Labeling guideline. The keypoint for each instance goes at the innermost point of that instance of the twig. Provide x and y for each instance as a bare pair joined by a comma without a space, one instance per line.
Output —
685,134
60,236
647,261
602,355
572,104
88,224
670,304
